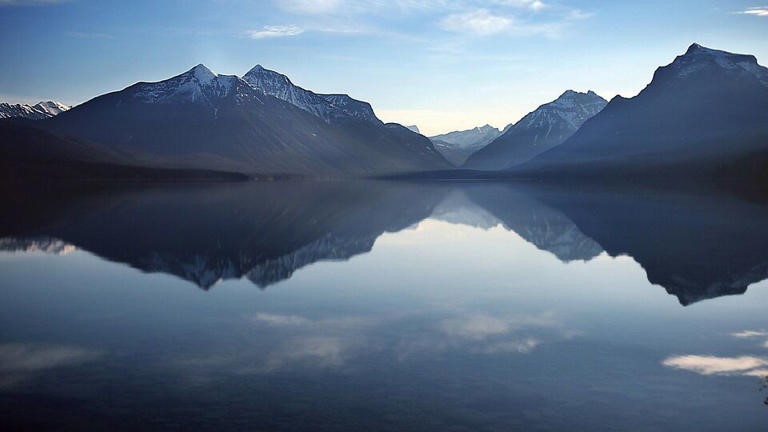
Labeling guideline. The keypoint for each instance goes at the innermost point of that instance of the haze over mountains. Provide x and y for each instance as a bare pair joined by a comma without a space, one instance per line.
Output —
458,146
705,112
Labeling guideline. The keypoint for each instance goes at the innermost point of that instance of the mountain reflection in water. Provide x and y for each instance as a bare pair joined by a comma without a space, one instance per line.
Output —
695,246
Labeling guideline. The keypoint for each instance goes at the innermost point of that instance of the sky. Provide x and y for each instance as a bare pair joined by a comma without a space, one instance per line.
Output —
442,65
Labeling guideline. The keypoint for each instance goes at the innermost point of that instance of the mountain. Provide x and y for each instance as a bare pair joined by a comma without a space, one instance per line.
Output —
329,107
414,128
200,120
546,127
39,111
457,146
705,112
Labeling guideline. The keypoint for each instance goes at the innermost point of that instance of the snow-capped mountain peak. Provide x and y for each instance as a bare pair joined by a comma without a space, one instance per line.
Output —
202,74
699,59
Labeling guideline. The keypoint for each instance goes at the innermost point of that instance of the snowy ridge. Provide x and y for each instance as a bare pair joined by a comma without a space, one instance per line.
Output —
197,85
327,107
281,87
39,111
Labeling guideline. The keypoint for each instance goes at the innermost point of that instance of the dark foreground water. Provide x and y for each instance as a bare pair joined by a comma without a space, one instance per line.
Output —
372,306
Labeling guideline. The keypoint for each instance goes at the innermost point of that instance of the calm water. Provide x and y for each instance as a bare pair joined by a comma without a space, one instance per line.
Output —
372,306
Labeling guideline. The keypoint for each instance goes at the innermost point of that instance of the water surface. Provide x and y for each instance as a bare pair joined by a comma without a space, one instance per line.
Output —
376,306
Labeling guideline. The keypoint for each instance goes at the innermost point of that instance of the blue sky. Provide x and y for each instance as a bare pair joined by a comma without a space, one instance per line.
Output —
440,64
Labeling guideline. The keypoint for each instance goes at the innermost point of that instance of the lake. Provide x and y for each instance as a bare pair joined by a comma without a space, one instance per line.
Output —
330,306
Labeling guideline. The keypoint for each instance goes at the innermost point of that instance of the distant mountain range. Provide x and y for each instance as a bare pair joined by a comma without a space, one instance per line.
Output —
545,128
705,114
38,111
707,110
458,146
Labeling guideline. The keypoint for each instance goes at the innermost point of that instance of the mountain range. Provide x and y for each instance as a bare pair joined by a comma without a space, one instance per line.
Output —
39,111
705,114
265,125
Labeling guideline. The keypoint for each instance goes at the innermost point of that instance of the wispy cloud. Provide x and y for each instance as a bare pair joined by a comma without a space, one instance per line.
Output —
311,6
752,334
272,31
513,17
20,361
534,5
352,7
712,365
475,327
746,334
281,320
761,11
480,22
469,17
